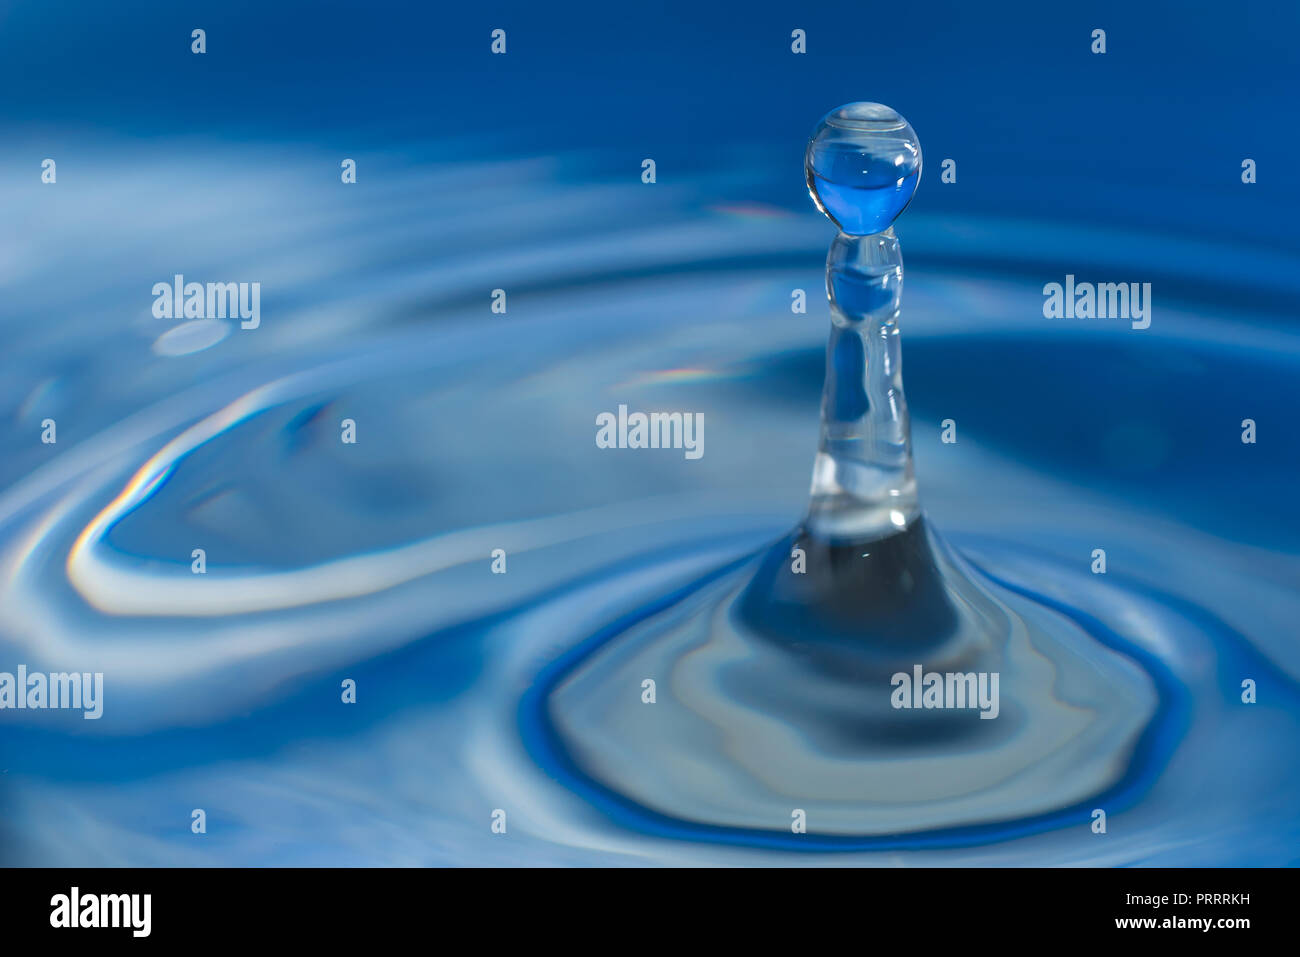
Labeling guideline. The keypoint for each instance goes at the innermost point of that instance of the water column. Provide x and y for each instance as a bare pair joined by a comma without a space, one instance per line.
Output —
862,165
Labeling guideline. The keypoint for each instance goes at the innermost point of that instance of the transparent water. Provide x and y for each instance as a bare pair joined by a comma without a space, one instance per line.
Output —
522,691
862,165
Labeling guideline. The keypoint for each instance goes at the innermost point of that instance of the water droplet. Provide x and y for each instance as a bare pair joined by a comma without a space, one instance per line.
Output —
863,163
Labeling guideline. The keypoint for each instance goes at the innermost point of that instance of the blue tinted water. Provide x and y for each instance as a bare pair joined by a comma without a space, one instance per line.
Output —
864,210
476,431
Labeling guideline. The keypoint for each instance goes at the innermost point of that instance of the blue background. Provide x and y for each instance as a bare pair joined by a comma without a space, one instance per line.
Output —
1151,133
1117,167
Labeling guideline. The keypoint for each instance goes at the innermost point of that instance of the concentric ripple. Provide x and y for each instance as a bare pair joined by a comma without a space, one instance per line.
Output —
522,690
753,721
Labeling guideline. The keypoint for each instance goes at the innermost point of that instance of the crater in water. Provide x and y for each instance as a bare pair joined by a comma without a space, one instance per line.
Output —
524,690
775,691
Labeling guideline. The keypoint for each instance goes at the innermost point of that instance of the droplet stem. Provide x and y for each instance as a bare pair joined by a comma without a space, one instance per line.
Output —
863,485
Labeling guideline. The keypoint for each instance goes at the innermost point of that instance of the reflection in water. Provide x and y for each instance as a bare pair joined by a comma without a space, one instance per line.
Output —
523,690
776,694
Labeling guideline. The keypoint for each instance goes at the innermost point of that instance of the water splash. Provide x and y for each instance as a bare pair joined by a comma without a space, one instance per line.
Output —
466,679
787,684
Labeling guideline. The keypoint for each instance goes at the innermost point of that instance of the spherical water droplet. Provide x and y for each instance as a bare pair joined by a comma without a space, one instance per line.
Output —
863,163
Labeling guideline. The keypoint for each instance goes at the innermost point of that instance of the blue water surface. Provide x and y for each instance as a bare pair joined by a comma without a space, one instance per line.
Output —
372,562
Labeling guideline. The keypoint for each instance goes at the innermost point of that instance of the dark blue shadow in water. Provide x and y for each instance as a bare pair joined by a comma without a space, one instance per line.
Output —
1150,755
